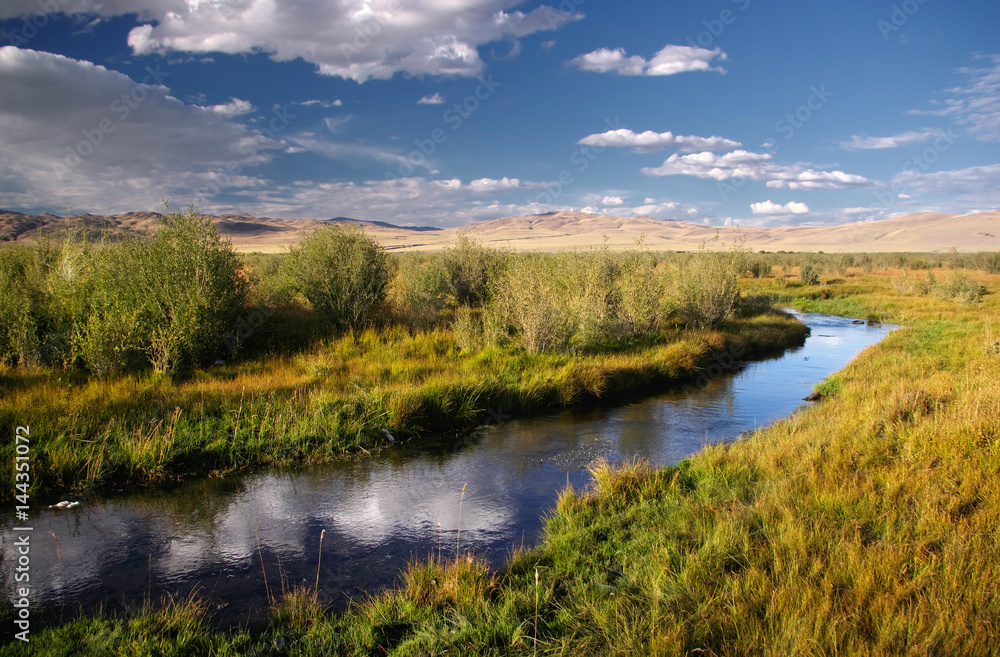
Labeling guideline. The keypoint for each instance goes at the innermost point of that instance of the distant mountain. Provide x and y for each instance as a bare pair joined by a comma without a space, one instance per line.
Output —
381,224
560,231
246,232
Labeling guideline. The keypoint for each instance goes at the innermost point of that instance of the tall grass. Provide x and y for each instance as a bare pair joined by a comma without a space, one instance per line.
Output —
336,399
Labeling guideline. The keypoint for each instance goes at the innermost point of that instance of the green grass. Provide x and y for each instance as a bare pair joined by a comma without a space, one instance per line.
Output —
868,523
337,400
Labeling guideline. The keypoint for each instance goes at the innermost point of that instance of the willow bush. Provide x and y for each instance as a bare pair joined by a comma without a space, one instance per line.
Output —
707,285
166,300
343,273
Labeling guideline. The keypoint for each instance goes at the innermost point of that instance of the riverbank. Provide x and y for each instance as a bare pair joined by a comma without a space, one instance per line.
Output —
867,523
344,398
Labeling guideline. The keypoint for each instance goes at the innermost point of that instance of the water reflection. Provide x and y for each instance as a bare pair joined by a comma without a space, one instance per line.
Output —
224,535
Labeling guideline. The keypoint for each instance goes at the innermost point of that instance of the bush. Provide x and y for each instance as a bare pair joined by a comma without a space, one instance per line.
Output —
530,301
343,273
20,289
38,303
961,288
707,286
866,262
808,274
469,267
988,261
421,289
759,268
172,298
641,296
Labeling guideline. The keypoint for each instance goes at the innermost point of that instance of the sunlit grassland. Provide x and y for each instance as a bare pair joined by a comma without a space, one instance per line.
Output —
342,397
867,523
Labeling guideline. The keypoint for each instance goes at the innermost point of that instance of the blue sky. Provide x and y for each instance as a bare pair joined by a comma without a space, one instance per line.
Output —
444,112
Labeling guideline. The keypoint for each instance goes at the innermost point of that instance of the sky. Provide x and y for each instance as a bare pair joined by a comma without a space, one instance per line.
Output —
445,112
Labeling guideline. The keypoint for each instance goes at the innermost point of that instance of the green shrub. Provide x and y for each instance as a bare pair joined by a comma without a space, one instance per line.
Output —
961,288
707,286
38,301
420,288
343,273
759,268
20,290
172,297
866,262
469,267
641,295
808,274
530,302
988,261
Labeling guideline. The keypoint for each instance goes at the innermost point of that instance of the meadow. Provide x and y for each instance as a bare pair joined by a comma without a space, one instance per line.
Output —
866,523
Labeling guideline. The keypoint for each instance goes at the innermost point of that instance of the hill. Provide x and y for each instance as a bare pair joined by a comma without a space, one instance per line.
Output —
560,231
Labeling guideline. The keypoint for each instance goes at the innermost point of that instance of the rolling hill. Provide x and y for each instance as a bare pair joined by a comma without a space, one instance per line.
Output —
559,231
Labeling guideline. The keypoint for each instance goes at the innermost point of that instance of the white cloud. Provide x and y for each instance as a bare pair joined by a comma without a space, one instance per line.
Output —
434,99
670,60
321,103
770,208
858,142
757,167
975,104
235,107
649,141
344,38
612,200
977,186
120,144
483,185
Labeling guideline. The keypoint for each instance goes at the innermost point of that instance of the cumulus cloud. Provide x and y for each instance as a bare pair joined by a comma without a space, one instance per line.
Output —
857,142
770,208
484,185
757,167
345,38
121,143
670,60
235,107
975,104
433,99
649,141
612,200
